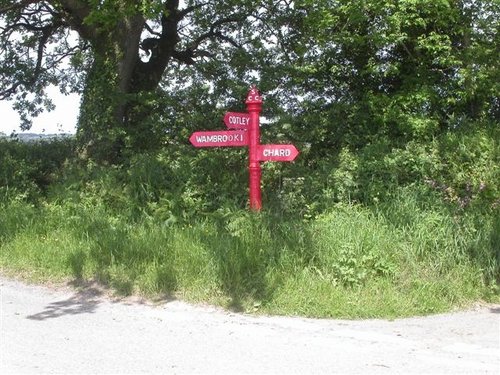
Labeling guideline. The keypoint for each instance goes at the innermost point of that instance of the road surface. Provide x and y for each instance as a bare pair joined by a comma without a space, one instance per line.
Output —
47,330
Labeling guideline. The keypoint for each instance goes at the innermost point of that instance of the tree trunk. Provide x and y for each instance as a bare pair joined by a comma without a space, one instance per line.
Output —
106,123
112,114
99,121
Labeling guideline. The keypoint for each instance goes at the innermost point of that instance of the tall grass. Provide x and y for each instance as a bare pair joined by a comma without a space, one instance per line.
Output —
349,262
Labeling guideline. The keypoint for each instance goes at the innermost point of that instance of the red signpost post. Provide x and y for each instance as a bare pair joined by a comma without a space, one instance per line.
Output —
248,134
254,106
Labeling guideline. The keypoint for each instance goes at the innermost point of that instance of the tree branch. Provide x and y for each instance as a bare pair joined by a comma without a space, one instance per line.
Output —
184,12
46,32
7,93
150,30
75,12
19,5
188,55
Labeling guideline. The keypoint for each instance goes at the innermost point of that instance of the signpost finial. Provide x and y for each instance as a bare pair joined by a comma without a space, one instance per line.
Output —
253,96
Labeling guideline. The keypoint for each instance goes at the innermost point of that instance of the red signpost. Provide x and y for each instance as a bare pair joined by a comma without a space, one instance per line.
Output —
247,135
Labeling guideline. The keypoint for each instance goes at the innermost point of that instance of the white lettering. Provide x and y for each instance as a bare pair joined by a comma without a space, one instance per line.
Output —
237,120
276,152
215,138
252,98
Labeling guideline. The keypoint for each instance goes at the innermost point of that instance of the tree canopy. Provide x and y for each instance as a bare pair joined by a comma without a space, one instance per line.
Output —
115,53
339,71
397,68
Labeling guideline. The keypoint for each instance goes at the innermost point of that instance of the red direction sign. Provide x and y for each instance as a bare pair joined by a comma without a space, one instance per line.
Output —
247,133
231,138
277,152
235,120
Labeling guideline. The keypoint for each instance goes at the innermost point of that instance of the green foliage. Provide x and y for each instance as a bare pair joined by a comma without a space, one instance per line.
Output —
391,209
99,134
16,217
400,70
28,169
336,73
363,234
461,167
353,247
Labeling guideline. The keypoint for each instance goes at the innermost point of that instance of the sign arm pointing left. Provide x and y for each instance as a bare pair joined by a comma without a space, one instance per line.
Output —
228,138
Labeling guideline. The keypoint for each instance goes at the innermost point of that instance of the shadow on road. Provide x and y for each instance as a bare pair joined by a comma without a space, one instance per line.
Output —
83,302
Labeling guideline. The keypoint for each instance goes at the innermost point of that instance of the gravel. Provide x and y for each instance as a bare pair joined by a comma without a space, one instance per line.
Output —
82,331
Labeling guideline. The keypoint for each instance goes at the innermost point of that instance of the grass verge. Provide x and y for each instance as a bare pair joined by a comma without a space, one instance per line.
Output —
396,260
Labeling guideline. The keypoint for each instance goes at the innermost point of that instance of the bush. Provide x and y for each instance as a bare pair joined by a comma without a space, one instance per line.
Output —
28,169
460,166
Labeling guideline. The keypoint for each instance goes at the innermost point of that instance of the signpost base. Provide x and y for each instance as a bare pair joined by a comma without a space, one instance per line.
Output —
255,190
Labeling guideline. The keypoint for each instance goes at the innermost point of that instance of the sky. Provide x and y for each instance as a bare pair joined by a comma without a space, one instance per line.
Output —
61,120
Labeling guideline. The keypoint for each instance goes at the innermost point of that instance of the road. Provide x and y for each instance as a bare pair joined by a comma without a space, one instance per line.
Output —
54,330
